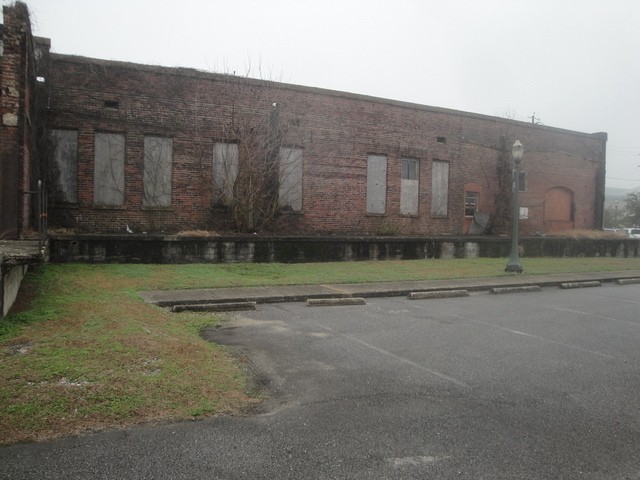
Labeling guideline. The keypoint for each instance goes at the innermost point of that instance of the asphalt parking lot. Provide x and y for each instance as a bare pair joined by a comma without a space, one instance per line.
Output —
532,385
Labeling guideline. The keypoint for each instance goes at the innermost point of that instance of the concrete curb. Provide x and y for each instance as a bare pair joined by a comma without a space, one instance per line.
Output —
437,294
302,293
567,285
333,302
215,307
524,288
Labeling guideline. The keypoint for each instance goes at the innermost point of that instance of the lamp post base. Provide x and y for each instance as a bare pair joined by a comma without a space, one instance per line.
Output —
513,267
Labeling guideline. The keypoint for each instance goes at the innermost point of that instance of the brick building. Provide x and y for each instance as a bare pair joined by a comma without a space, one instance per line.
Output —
156,149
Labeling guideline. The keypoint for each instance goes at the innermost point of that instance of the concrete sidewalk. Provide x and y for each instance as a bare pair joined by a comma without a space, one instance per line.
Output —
301,293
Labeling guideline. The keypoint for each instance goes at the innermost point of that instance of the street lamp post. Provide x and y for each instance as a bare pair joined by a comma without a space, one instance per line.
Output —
513,265
615,218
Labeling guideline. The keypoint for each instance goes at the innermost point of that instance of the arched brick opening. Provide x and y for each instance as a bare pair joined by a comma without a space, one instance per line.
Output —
559,209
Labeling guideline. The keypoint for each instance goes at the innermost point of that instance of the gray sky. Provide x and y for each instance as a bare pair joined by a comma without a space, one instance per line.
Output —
575,64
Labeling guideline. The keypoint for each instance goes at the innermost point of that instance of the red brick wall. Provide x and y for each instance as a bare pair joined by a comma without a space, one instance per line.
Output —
337,131
16,121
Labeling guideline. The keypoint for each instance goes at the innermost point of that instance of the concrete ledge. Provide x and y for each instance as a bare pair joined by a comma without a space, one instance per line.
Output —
627,281
331,302
567,285
523,288
140,248
10,280
215,307
15,258
437,294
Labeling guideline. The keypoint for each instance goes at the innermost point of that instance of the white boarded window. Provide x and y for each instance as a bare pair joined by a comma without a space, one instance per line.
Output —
108,177
409,186
65,159
376,184
440,189
225,170
290,188
158,159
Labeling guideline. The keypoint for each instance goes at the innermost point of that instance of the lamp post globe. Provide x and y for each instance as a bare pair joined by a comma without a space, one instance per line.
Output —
517,151
513,264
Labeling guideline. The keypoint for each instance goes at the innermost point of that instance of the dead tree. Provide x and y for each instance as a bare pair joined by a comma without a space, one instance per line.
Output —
503,198
258,165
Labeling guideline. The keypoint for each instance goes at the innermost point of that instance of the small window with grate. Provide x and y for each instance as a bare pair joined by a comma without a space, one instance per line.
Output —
471,203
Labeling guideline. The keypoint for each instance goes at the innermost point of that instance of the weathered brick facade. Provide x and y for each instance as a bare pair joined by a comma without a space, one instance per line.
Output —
17,84
563,170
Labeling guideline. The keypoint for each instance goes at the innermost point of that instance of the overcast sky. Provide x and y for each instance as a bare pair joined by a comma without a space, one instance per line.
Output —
573,64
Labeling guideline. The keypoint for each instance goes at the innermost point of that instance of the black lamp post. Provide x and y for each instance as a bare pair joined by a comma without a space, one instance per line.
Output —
513,265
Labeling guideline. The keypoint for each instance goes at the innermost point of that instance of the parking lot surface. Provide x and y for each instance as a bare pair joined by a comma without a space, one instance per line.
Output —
532,385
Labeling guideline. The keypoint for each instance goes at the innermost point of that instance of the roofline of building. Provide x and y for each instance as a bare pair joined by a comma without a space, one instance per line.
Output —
195,73
42,41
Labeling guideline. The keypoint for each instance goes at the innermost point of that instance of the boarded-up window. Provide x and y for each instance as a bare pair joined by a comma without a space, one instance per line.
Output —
108,179
158,155
65,159
440,189
559,209
290,190
376,184
409,187
225,170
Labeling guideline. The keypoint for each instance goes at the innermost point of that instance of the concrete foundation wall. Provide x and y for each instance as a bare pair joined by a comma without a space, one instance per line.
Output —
174,249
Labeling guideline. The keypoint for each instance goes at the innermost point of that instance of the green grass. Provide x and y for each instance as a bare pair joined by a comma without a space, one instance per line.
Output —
162,277
236,275
82,352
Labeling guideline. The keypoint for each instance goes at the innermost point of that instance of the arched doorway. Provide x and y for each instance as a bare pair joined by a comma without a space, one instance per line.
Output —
559,210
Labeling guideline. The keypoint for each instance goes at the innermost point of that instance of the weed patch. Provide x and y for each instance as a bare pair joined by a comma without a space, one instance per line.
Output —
86,355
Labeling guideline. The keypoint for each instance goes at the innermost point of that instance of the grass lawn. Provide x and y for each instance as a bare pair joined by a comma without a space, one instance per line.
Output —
82,352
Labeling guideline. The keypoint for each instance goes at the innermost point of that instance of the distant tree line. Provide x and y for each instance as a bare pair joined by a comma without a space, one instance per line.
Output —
623,214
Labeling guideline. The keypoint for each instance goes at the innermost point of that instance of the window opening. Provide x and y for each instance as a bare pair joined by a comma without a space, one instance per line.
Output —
471,203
